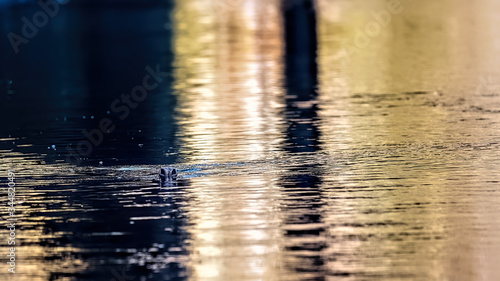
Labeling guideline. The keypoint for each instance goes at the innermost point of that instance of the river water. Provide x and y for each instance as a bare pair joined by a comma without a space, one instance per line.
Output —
388,170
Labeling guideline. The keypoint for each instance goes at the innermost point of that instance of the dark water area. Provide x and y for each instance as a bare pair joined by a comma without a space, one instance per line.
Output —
340,140
67,77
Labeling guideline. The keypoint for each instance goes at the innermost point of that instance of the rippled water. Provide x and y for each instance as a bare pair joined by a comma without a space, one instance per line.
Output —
388,170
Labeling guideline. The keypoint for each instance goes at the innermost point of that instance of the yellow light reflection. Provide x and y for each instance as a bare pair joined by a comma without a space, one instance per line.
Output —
430,46
229,68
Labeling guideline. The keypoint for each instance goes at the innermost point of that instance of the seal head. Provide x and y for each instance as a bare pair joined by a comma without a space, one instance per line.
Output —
168,174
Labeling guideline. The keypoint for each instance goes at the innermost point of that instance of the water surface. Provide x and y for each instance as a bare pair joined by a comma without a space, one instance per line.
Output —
386,170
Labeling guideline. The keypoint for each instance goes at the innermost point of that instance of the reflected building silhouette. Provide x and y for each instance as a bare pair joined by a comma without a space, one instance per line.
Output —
301,77
302,202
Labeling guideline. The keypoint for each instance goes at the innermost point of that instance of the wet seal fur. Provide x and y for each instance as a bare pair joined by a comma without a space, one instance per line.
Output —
167,175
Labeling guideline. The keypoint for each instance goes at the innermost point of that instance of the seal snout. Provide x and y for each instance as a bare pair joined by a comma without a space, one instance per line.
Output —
168,174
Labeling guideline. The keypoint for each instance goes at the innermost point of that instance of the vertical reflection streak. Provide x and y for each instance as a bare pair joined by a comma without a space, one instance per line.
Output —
229,69
302,198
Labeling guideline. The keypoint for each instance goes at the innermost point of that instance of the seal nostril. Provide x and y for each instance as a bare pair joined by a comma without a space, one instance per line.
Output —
163,174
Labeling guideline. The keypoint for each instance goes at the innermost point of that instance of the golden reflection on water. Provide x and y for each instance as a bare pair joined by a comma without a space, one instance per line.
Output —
446,48
221,247
426,46
34,261
228,72
228,77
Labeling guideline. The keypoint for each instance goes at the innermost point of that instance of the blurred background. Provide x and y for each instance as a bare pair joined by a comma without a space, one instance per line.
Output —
316,140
